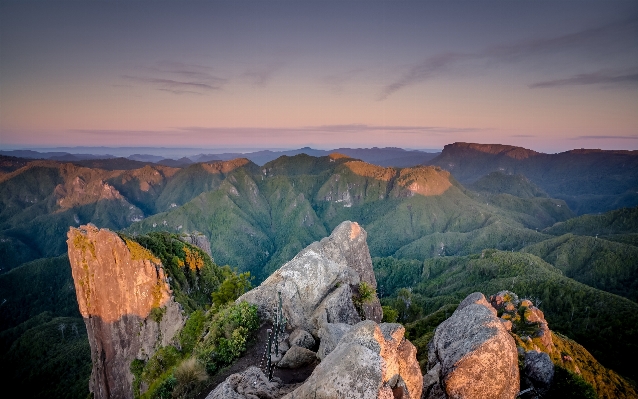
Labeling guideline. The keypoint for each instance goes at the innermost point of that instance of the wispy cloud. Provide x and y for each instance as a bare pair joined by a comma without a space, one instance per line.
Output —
599,37
524,136
383,128
605,137
121,133
335,130
177,78
336,82
192,71
429,68
261,76
328,136
596,78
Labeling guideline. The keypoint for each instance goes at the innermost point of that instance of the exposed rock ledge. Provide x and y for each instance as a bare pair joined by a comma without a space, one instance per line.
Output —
370,361
315,284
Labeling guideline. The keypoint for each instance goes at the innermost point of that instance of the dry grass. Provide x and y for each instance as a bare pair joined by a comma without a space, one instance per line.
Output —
190,371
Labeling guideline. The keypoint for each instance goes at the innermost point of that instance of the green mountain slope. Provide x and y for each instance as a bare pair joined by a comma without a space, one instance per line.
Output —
258,221
599,263
189,182
48,357
612,223
501,183
588,180
36,287
39,202
604,323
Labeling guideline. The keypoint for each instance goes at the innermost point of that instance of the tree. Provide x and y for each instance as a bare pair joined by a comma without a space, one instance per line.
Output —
232,288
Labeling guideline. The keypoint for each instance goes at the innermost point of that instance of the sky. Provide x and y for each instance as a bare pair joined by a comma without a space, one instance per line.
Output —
546,75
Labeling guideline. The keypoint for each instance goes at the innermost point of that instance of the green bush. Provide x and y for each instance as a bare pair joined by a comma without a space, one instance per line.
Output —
233,286
366,292
390,315
162,388
192,331
226,336
157,314
162,360
191,376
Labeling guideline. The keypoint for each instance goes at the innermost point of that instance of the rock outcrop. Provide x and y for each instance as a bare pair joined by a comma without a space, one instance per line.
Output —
359,359
296,357
538,371
371,361
249,384
472,355
118,284
330,334
316,284
199,240
302,338
529,327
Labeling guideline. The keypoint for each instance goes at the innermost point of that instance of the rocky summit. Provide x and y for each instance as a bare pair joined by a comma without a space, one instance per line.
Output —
321,326
317,285
320,290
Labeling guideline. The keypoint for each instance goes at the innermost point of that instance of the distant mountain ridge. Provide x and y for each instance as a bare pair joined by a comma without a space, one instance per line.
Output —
258,217
388,156
589,181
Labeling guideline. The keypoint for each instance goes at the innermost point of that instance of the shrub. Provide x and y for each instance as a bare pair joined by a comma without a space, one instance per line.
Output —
231,288
190,376
190,371
157,314
366,292
162,360
227,335
390,315
192,331
162,388
567,385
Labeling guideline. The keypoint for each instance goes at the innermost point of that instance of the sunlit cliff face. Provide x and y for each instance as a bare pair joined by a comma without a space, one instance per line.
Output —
113,278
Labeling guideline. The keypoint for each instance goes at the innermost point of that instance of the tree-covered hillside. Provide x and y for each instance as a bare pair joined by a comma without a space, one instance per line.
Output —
256,220
604,323
590,181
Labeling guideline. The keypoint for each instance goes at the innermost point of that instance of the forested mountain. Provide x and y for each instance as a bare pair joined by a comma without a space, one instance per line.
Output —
256,219
588,180
41,199
605,324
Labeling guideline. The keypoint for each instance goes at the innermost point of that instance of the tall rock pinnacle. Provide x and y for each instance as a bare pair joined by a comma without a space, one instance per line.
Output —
118,284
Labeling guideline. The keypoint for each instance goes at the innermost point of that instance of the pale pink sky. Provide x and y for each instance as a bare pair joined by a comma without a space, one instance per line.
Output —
543,76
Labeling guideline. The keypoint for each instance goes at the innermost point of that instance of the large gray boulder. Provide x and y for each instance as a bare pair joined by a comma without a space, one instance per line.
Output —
297,357
371,361
248,384
302,338
472,355
329,335
538,371
314,285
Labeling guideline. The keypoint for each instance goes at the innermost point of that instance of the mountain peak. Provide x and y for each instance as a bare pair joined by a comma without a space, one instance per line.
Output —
494,149
337,155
